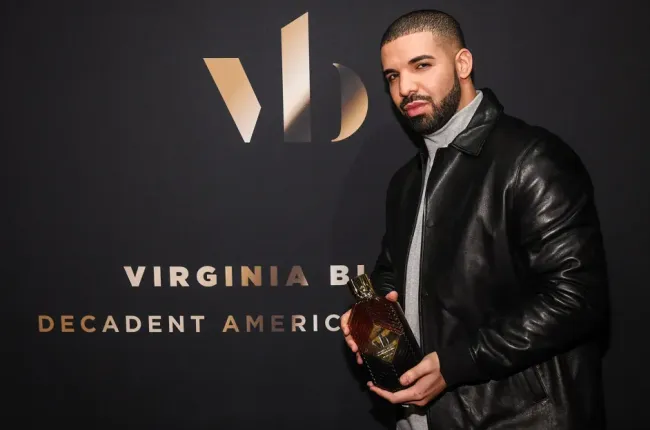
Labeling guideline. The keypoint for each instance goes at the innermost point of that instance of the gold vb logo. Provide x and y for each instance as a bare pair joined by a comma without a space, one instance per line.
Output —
237,92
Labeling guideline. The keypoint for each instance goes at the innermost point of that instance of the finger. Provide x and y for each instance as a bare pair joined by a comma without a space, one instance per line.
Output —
382,393
359,360
426,388
392,296
403,396
346,331
397,397
413,374
344,323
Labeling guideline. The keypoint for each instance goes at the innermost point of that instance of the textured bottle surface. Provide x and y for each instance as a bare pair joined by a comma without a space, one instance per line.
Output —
385,340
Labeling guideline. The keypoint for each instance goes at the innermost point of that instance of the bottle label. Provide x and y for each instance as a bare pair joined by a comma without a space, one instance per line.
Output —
383,343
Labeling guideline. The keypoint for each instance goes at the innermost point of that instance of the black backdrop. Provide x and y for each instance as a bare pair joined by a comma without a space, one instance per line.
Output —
118,150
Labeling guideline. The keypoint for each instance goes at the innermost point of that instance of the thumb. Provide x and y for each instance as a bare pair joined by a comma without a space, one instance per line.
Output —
392,296
413,374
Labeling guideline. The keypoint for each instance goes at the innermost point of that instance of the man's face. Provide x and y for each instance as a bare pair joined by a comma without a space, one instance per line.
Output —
421,74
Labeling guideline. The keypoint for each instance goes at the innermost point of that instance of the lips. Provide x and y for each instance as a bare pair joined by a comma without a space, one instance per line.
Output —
415,108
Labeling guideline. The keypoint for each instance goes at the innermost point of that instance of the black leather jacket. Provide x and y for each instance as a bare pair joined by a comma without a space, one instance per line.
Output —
514,290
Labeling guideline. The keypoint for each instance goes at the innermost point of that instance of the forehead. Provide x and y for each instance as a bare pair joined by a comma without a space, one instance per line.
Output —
402,49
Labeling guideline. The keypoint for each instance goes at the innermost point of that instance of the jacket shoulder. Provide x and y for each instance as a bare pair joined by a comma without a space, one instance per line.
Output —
534,150
521,139
519,134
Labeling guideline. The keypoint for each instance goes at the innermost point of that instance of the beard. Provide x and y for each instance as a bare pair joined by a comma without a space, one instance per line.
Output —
430,123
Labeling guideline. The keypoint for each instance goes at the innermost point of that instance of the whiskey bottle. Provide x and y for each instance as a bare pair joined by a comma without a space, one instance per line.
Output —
383,335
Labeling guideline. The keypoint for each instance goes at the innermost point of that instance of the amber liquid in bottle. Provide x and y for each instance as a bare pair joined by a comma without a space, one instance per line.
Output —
384,337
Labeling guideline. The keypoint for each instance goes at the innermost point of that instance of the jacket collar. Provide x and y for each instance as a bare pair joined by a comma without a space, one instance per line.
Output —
471,140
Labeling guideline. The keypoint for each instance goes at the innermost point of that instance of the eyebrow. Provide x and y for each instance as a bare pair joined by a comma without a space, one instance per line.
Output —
411,61
420,58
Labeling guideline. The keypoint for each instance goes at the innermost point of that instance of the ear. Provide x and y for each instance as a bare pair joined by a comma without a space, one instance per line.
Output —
464,63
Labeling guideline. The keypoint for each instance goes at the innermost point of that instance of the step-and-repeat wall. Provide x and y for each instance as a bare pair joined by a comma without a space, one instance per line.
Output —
191,184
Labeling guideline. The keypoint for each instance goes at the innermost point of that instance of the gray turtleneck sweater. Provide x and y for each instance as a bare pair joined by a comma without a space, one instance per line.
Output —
416,418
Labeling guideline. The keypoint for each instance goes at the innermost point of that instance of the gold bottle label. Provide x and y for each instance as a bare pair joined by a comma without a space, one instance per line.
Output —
383,343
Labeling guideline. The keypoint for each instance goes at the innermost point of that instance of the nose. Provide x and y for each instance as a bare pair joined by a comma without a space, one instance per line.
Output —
407,85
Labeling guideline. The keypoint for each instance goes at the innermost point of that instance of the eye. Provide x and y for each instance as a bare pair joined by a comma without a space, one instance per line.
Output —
391,77
422,66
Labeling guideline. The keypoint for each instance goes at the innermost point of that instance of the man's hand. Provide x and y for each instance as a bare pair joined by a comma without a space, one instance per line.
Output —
392,296
428,383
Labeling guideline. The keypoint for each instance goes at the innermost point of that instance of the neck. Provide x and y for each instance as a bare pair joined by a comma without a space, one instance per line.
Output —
467,94
456,124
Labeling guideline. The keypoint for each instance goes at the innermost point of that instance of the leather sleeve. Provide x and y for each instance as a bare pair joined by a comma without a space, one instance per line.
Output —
558,235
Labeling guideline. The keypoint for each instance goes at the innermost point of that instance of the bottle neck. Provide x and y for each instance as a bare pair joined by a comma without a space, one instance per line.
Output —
361,288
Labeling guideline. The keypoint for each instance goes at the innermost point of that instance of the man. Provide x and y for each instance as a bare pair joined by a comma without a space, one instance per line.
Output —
493,248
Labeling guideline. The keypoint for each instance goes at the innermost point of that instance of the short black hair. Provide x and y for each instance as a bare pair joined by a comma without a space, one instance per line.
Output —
432,20
435,21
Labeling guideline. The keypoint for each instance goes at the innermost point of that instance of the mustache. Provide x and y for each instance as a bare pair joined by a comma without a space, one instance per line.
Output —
412,98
